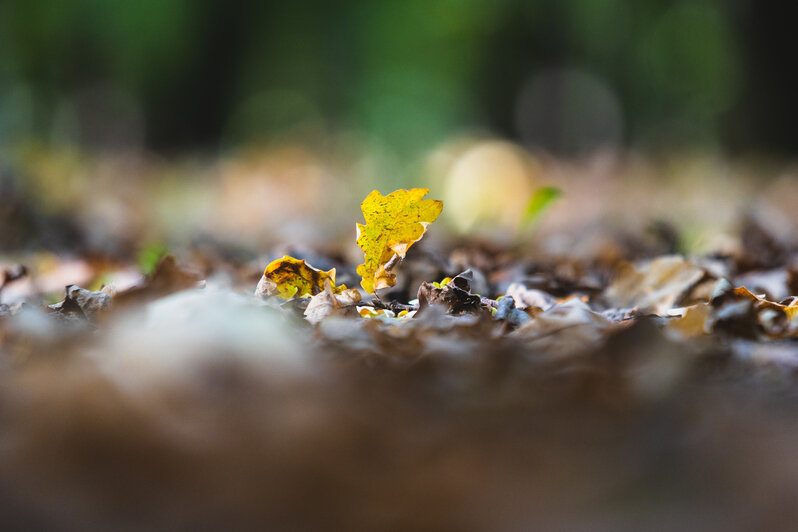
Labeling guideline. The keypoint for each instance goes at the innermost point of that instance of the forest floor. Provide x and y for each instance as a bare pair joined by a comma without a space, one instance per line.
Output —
596,375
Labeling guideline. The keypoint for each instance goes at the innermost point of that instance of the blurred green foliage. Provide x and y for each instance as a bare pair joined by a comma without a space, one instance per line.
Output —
176,74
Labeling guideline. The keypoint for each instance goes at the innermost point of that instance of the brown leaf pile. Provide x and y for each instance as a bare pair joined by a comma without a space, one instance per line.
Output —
526,392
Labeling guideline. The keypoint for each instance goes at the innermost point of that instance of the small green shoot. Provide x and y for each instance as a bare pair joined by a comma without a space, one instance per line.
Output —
149,255
538,203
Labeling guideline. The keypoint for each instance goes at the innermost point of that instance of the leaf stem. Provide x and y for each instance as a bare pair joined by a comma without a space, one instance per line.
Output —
391,264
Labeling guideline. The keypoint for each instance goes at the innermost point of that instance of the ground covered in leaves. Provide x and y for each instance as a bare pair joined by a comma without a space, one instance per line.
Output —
494,386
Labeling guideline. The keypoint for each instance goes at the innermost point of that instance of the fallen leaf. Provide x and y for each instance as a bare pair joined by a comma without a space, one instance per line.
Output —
692,323
385,314
373,313
81,303
732,313
393,223
740,312
507,312
455,296
530,297
773,283
565,329
165,279
327,302
657,285
288,277
791,310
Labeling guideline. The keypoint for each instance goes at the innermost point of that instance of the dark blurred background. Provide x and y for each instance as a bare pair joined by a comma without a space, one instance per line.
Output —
566,76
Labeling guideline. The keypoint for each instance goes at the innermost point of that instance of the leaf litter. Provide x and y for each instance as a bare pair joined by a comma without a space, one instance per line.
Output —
639,374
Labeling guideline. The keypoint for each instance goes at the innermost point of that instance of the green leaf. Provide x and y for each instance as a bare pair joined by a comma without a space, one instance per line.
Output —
539,202
149,255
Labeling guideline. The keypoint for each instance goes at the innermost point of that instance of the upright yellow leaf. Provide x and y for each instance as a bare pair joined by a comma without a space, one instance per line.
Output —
393,223
289,277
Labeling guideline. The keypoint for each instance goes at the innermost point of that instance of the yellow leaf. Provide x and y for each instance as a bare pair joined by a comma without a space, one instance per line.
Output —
289,277
692,323
393,223
372,313
444,282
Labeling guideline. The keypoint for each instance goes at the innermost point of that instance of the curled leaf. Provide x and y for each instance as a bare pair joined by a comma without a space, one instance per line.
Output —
790,310
742,313
288,277
393,223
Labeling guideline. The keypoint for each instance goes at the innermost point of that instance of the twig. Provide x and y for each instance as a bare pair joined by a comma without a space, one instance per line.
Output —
396,306
393,306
